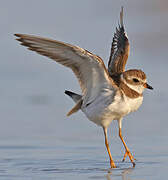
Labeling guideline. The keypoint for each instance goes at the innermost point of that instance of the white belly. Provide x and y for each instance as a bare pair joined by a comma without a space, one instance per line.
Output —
105,108
134,104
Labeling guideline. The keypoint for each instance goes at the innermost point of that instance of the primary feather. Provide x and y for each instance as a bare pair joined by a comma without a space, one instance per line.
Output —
119,50
88,68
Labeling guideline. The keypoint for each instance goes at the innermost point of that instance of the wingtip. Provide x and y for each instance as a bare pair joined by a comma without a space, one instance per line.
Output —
17,35
121,17
22,35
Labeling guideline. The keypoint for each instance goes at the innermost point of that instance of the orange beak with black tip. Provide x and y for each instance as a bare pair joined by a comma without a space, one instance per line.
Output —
146,85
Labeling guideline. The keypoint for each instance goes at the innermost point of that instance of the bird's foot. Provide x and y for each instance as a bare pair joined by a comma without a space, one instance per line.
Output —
131,157
112,164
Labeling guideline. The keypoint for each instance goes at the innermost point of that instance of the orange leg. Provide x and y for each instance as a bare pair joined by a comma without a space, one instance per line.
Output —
112,164
125,155
127,151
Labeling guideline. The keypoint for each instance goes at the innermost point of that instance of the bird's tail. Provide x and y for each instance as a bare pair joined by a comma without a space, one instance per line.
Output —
74,96
77,99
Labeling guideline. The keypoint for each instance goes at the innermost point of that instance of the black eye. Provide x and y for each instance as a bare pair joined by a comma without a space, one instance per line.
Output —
135,80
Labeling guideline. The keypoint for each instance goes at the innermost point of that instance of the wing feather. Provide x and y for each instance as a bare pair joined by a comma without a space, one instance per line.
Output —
88,68
119,49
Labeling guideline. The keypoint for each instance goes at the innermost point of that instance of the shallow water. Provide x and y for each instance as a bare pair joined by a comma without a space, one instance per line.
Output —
37,140
78,161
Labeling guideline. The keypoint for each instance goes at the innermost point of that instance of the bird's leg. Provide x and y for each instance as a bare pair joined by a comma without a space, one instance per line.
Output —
127,151
125,155
112,164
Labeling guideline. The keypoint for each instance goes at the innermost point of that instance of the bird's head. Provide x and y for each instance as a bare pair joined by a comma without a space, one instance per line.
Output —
136,80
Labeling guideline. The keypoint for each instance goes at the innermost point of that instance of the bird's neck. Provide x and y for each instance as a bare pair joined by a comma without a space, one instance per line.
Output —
128,91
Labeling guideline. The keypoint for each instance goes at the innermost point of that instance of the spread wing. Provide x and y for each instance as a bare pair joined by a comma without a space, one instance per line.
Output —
119,50
88,68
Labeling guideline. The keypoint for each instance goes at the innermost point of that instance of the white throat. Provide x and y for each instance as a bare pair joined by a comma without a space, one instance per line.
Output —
138,88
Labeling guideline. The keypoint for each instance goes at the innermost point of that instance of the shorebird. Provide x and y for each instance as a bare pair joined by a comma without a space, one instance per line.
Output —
107,93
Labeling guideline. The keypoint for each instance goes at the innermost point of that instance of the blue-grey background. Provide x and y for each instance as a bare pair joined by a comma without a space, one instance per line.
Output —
37,140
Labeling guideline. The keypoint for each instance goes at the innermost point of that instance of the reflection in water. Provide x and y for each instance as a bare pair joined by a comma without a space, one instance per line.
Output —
124,173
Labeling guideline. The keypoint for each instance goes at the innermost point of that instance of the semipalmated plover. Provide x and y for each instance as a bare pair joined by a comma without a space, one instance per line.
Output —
107,94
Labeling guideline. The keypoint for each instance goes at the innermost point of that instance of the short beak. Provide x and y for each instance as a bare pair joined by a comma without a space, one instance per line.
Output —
146,85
